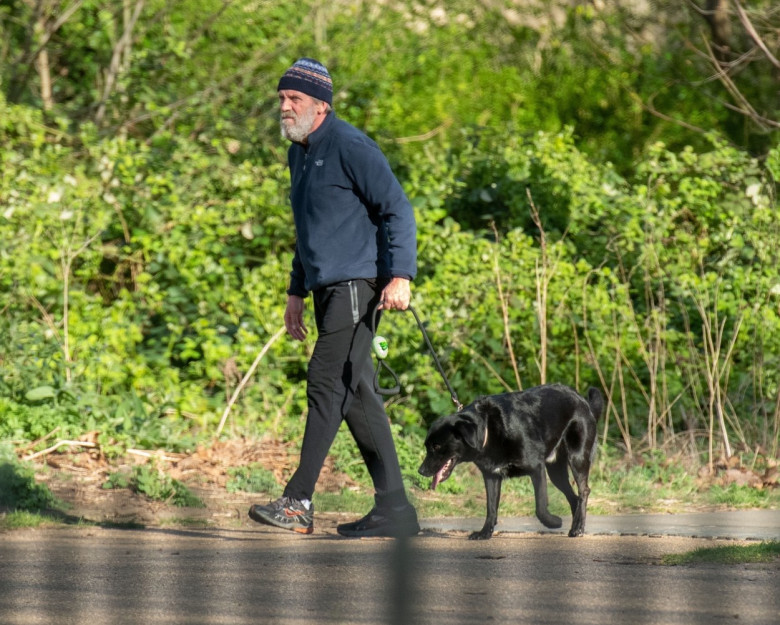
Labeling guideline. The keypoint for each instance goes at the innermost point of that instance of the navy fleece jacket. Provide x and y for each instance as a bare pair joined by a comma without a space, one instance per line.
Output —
352,218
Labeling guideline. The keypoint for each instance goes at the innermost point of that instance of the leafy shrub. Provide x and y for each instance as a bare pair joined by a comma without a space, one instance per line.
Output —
19,491
252,479
155,484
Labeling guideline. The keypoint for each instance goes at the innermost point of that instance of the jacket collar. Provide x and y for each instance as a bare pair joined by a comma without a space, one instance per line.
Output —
316,137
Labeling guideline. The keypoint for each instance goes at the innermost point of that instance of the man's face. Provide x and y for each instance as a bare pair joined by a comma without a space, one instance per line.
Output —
300,114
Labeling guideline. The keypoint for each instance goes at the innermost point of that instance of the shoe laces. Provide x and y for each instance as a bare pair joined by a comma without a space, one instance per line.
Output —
283,502
289,502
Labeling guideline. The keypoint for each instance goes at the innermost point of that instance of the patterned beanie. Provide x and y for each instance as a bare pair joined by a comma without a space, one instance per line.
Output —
310,77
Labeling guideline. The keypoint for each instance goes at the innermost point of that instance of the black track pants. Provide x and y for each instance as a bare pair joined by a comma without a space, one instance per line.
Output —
340,386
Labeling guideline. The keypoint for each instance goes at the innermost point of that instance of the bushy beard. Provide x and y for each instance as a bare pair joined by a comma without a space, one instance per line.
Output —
301,126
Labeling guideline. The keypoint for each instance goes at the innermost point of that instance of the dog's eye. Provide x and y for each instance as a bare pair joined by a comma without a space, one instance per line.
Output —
435,447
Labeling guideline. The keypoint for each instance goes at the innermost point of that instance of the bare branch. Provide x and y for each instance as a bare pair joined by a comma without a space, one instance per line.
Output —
504,309
428,135
64,443
245,379
746,108
648,106
120,49
47,34
748,25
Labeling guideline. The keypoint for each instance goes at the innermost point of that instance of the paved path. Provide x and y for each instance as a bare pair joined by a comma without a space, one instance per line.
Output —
737,524
254,574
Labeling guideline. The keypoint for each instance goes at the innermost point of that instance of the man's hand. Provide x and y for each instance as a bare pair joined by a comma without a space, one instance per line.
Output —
396,295
293,318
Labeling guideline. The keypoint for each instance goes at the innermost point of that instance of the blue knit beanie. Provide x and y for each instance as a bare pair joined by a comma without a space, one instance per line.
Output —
310,77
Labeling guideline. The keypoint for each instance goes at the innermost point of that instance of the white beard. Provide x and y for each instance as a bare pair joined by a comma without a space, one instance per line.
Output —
301,126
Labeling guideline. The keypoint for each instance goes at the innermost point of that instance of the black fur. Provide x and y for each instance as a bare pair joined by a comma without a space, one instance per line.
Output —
522,433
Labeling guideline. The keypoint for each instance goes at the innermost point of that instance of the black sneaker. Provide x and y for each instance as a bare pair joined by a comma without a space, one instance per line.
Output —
383,522
287,513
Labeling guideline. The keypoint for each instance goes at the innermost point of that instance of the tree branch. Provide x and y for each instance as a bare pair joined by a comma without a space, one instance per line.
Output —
116,59
748,25
745,108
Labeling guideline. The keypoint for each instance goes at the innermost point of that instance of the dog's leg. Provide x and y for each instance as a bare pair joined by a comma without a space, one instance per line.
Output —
539,480
493,492
580,468
559,476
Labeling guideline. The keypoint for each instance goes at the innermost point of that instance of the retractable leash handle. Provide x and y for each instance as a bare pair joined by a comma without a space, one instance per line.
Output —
380,347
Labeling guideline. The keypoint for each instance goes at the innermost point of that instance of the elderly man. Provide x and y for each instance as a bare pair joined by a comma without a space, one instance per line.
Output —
355,249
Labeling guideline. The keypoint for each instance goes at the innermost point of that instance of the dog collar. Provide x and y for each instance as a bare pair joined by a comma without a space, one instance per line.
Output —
484,443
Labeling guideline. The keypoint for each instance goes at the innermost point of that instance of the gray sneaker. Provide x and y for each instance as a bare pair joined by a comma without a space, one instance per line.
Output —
287,513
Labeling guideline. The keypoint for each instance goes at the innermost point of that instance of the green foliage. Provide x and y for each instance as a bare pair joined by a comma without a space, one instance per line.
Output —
23,519
252,479
19,491
737,496
145,235
654,477
155,484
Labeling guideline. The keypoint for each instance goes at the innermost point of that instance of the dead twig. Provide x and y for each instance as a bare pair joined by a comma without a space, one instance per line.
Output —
505,310
157,455
426,135
748,25
63,443
246,377
37,442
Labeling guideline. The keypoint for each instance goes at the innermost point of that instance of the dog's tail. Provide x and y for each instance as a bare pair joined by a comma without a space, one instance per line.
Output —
595,401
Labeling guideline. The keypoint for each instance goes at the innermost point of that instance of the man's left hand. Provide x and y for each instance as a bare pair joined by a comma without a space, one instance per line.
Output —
396,295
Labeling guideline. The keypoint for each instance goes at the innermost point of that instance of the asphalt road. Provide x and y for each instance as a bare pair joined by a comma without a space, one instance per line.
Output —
253,574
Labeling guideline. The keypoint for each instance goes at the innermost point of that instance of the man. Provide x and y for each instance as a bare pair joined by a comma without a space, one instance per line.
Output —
355,249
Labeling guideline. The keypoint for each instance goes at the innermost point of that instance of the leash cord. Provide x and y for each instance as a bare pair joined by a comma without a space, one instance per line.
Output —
381,363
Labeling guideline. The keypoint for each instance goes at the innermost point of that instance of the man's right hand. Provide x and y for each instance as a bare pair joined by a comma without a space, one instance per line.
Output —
293,318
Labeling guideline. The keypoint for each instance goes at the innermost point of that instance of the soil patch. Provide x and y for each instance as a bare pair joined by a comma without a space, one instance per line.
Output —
76,477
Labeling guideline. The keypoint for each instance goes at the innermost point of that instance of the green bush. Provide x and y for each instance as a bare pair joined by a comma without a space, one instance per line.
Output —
19,490
252,479
155,484
145,236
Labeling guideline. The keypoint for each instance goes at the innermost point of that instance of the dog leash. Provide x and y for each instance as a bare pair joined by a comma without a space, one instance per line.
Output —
380,348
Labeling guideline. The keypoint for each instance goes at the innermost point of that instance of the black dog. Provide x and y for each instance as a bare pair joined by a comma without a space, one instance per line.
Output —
521,433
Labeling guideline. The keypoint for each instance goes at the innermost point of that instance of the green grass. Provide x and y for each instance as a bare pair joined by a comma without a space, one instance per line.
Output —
23,500
728,554
349,501
735,496
655,483
253,479
19,490
20,519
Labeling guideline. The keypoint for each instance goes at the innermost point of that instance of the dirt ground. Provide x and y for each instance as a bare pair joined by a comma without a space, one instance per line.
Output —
76,479
76,476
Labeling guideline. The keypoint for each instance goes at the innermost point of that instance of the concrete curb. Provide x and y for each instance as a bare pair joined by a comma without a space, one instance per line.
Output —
733,524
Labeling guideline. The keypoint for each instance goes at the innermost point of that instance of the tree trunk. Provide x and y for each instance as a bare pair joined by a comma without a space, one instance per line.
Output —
717,15
42,66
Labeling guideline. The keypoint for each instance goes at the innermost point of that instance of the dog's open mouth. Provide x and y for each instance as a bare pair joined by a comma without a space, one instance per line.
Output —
443,473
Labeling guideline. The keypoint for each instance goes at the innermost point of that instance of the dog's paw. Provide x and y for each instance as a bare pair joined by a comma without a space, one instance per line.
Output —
551,521
576,532
482,534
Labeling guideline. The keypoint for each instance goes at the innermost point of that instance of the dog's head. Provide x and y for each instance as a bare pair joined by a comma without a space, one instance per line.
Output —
451,440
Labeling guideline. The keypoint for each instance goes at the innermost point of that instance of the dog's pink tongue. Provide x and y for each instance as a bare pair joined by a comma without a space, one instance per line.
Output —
435,481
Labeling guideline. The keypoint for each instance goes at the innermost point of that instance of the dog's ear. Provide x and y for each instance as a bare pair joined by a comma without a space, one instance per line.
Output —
468,430
488,410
